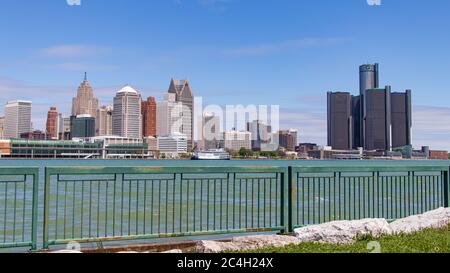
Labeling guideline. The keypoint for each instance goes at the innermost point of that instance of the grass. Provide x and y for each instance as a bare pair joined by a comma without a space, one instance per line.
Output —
427,241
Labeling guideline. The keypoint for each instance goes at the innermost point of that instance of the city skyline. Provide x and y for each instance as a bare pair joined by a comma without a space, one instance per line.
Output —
295,64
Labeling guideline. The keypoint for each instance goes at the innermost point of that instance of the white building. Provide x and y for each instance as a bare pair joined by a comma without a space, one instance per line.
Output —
17,119
126,115
210,132
169,116
235,140
2,122
103,124
173,145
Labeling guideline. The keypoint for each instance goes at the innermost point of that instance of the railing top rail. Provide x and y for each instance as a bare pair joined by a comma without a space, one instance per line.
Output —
160,170
19,170
392,168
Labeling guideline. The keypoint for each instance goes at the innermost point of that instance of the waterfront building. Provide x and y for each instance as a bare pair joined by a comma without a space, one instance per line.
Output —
173,145
261,134
126,114
369,78
115,147
169,116
83,126
34,135
85,103
235,140
288,139
340,120
184,95
103,124
149,117
2,124
17,119
52,124
152,144
401,118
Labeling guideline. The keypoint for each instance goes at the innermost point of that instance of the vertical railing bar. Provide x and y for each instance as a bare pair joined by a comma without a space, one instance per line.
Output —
15,211
73,209
145,206
23,207
98,208
82,208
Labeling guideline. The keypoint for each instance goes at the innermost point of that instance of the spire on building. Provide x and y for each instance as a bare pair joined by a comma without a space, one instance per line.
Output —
85,76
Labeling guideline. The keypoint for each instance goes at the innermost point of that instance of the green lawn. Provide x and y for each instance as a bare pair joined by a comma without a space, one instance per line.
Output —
427,241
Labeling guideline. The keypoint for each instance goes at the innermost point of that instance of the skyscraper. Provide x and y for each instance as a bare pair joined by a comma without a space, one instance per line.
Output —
184,95
401,119
169,116
85,103
103,124
211,132
288,139
340,120
377,119
52,124
83,126
369,78
261,134
126,115
17,118
2,124
149,117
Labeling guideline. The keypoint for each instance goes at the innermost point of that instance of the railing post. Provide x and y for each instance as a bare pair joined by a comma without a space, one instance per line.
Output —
34,217
46,207
446,187
290,199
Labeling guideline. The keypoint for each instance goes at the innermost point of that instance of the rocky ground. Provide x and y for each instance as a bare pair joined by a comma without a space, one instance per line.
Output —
338,232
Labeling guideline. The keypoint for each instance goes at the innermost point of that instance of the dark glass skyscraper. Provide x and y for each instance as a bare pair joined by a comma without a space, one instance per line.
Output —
369,78
377,119
340,121
401,118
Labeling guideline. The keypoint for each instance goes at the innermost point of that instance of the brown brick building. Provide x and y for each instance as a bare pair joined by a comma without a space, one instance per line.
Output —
149,117
439,155
52,127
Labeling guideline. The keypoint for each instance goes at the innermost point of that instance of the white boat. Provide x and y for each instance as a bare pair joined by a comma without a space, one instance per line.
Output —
217,154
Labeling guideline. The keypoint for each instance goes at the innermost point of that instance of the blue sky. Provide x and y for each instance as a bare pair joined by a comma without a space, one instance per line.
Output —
284,52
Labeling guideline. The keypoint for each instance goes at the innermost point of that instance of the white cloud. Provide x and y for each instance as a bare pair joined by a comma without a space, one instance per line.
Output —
73,51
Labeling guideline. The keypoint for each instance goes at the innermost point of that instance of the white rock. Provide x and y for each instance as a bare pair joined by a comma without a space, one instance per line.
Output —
343,232
433,219
246,243
67,251
173,251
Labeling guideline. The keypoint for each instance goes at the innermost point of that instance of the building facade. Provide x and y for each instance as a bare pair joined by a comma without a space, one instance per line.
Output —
377,119
210,132
2,124
17,119
184,95
401,119
149,117
126,115
261,134
235,140
83,126
340,120
169,115
103,124
52,124
85,103
288,139
173,145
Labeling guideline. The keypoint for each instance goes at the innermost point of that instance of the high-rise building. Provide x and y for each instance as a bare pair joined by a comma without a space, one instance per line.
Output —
149,117
83,126
52,124
85,103
172,145
369,78
169,115
184,95
401,118
2,124
17,119
340,120
103,124
210,132
261,134
377,119
126,116
288,139
235,140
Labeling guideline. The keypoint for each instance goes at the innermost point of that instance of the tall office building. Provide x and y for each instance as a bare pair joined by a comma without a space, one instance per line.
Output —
17,119
184,95
288,139
149,117
340,120
103,124
377,119
369,78
401,118
261,134
85,103
52,124
235,140
169,116
126,115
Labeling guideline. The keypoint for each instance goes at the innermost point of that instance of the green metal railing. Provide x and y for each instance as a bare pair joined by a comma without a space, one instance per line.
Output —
93,204
324,194
18,207
102,204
